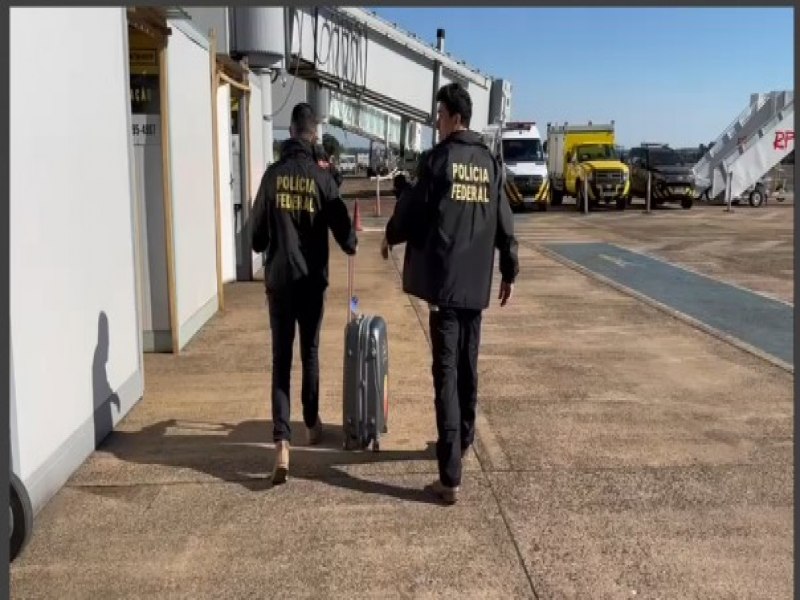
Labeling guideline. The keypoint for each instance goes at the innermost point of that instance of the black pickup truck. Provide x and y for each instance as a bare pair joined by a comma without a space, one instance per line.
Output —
672,179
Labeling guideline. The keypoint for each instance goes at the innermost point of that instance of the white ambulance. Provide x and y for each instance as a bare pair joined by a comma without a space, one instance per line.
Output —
523,156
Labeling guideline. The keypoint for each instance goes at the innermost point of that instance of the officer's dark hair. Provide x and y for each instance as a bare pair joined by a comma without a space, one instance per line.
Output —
457,101
304,121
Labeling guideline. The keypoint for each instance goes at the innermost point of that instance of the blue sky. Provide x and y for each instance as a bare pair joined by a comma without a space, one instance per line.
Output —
673,75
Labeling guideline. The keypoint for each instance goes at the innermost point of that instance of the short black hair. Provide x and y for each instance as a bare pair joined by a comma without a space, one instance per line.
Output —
303,119
457,101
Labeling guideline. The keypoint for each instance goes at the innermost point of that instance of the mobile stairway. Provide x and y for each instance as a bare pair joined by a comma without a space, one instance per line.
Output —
757,140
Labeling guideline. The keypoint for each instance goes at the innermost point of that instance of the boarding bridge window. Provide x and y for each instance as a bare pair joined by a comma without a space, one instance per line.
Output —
522,150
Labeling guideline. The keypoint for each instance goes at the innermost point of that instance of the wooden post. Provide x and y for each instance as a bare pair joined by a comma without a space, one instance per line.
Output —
248,150
215,149
167,179
248,174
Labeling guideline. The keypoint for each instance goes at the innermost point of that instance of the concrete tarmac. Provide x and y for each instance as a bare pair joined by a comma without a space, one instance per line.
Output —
620,453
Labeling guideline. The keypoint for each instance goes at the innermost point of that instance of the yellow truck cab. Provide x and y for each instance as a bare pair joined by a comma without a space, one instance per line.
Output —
586,154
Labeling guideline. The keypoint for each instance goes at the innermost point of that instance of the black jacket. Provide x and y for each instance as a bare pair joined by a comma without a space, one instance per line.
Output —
296,203
452,220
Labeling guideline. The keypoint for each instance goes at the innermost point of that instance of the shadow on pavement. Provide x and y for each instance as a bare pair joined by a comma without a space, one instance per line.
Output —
243,453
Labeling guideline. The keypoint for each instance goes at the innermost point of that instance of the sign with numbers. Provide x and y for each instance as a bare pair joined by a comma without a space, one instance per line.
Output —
146,130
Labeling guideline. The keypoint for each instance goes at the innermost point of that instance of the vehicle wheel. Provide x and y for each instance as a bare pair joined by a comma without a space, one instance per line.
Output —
756,198
541,206
622,203
20,517
687,203
556,196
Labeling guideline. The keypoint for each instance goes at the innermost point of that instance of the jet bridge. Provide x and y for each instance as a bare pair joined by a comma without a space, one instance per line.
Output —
758,139
361,72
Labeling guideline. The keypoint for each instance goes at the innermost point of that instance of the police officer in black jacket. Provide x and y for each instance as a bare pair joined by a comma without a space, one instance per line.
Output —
452,220
297,202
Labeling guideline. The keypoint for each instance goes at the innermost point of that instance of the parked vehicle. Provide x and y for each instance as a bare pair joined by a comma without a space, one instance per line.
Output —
584,158
519,148
523,156
671,178
347,163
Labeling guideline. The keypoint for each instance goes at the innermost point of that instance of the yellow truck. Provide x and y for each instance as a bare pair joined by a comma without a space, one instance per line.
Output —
578,155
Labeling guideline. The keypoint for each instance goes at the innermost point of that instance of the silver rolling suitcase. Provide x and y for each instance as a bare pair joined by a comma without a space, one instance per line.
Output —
366,375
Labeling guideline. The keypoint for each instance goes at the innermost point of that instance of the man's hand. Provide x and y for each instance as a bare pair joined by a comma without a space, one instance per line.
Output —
506,291
385,249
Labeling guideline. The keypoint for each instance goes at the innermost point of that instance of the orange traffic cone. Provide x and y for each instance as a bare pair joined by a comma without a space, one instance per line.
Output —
357,217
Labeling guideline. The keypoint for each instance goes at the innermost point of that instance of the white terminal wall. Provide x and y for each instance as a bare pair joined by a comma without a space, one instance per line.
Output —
192,179
74,334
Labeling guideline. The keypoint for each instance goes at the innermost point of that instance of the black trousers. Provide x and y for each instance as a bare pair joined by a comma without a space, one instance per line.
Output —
303,305
455,338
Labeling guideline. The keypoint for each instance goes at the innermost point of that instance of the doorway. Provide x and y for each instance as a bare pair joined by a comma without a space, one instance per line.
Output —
147,42
231,162
240,182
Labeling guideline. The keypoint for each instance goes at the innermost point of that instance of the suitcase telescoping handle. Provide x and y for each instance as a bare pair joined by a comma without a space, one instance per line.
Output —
352,301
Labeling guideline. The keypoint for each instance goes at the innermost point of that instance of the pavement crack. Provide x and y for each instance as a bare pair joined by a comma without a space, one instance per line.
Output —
507,524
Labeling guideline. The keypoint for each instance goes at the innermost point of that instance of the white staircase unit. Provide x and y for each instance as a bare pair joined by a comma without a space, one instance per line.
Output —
770,145
761,110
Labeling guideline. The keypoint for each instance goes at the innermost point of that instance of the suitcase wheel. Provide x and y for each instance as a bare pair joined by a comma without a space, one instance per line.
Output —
20,517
